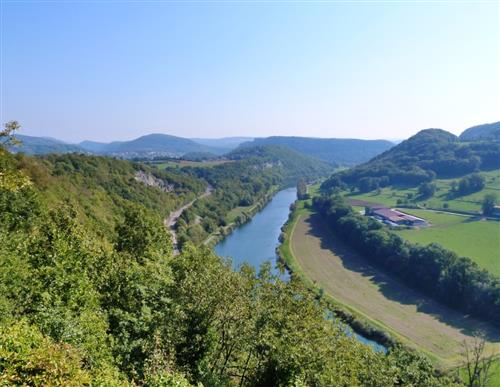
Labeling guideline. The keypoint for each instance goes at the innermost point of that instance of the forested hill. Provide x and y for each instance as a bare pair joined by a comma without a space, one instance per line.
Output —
100,189
482,132
294,165
111,306
346,152
428,154
152,145
42,145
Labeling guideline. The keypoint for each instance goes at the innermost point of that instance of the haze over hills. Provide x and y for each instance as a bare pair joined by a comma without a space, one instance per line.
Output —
340,151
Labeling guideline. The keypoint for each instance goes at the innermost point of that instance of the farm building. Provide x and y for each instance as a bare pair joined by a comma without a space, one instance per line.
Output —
397,218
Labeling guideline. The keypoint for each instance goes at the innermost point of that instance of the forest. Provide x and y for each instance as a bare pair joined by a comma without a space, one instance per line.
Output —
81,305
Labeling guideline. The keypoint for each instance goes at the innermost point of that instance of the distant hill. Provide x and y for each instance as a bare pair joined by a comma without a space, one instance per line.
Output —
226,143
429,153
151,145
295,165
92,146
482,132
42,145
347,152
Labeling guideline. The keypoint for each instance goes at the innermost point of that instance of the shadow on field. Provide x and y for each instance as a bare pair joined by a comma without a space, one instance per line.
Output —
392,288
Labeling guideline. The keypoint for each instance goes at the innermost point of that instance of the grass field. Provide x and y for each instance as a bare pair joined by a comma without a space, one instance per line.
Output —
471,237
186,163
471,203
367,292
494,379
495,375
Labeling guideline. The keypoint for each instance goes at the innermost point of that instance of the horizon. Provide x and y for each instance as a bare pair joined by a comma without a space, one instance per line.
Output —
322,69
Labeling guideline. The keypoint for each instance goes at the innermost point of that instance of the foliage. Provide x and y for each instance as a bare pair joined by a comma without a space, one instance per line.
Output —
302,190
471,183
427,189
489,203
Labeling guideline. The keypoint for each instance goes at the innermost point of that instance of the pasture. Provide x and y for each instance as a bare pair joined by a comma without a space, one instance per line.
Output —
188,163
350,280
471,237
444,197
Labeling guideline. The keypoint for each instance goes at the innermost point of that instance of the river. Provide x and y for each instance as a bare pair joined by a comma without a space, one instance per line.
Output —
255,242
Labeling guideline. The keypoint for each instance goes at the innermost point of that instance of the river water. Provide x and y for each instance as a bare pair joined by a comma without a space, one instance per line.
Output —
255,242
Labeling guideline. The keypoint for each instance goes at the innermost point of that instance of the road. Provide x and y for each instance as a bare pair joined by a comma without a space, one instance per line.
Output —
171,221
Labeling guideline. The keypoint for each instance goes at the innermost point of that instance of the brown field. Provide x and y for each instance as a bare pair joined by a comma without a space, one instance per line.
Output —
353,282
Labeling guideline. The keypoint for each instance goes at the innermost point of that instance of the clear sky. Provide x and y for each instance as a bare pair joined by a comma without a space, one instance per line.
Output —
111,70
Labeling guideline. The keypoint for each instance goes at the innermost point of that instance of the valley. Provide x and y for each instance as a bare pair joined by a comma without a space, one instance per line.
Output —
161,217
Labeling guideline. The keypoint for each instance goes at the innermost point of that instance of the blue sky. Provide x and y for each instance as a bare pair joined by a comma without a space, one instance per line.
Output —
115,70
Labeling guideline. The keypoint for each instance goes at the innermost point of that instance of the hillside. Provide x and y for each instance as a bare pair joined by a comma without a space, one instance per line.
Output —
338,151
428,154
482,132
295,165
100,189
42,145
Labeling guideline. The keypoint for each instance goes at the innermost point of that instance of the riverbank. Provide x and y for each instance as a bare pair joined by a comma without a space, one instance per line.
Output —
243,217
347,315
368,299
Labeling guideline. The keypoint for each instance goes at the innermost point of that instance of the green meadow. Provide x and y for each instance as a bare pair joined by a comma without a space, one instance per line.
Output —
443,197
471,237
467,235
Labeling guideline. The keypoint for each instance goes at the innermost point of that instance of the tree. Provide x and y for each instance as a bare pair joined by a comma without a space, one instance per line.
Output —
477,364
302,190
471,183
7,135
489,204
426,190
